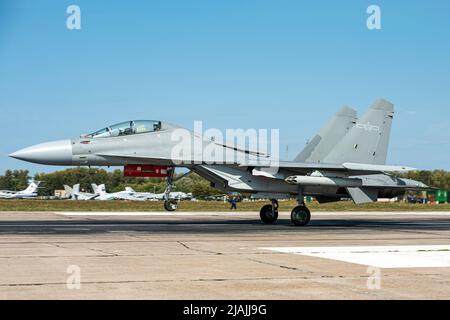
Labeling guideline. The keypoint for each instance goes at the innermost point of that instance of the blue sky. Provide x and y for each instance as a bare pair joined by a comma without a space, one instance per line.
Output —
231,63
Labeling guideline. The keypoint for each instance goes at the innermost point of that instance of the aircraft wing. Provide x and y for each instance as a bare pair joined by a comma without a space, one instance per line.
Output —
348,167
88,197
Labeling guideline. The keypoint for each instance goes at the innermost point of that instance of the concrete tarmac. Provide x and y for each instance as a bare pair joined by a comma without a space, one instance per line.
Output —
223,256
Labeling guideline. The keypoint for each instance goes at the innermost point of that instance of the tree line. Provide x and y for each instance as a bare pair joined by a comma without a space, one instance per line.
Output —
115,181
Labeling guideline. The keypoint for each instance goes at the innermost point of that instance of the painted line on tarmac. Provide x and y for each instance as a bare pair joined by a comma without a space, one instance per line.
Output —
382,213
150,214
417,256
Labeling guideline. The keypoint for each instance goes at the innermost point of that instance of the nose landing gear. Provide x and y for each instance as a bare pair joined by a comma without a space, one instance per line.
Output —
170,204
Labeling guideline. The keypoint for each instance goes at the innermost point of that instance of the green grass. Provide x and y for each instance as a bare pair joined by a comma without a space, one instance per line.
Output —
68,205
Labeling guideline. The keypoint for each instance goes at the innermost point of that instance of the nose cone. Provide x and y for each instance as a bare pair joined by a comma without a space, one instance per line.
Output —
53,153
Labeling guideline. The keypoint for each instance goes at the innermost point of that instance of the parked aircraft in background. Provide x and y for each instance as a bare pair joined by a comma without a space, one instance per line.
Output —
175,195
100,193
75,194
143,195
29,192
120,195
345,160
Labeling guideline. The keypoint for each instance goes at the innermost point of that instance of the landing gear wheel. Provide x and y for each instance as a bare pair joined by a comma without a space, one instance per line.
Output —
170,205
300,216
269,214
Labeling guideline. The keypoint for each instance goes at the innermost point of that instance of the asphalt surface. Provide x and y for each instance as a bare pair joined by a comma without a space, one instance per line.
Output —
219,256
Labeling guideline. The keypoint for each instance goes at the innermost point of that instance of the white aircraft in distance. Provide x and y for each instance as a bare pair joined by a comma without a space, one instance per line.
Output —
143,195
75,194
121,195
28,193
177,195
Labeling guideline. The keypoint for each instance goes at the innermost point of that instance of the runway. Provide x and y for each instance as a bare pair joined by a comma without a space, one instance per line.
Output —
187,255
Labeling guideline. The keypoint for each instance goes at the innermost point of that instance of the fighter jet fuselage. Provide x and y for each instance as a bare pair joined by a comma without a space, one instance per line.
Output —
346,159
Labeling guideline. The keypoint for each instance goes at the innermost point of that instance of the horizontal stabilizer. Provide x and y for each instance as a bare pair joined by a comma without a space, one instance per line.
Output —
363,195
376,167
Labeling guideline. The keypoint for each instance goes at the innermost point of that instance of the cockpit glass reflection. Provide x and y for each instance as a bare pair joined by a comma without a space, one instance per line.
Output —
127,128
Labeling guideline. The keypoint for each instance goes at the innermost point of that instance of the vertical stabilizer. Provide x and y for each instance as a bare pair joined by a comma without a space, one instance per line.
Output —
323,142
68,191
32,188
76,191
101,189
367,142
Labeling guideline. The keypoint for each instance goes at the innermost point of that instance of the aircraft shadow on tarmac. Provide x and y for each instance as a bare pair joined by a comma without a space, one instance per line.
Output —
200,226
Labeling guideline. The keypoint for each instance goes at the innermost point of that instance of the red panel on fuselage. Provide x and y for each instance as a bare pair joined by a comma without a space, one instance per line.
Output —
148,171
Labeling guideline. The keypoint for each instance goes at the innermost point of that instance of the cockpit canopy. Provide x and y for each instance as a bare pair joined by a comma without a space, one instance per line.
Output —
127,128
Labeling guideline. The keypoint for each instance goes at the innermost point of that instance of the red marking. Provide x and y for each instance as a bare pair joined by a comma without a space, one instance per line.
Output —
136,170
85,142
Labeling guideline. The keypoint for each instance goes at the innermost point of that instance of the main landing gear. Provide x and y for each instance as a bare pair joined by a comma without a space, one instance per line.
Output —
269,213
300,215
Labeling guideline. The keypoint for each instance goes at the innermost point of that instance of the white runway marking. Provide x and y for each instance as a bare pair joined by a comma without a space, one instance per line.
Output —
154,214
426,256
382,213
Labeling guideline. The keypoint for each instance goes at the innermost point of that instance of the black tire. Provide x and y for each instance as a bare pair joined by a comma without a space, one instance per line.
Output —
267,215
300,216
170,205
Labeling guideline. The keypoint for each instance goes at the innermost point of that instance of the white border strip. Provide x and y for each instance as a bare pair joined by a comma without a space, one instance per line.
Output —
417,256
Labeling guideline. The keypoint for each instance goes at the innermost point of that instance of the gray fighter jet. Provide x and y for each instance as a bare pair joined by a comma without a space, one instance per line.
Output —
346,159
